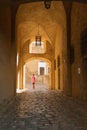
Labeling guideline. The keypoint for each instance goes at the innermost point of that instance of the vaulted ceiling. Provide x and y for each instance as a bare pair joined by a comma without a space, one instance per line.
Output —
30,15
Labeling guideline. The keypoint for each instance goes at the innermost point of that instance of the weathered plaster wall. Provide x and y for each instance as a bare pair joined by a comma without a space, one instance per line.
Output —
78,23
6,74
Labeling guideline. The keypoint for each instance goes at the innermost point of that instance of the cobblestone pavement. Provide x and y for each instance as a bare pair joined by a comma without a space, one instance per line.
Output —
44,110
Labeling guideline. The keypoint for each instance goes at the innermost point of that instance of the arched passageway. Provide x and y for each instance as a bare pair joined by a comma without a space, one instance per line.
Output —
42,72
52,29
62,29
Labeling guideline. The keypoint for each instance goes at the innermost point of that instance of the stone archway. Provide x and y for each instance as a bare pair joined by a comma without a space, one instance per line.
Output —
26,56
52,30
32,66
56,13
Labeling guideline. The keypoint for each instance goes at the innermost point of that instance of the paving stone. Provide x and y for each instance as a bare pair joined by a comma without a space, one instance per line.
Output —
44,110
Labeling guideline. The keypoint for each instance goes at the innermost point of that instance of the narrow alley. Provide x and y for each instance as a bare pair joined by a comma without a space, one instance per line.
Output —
43,65
44,110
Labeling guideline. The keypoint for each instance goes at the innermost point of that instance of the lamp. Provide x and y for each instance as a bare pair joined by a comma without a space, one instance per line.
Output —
47,3
38,38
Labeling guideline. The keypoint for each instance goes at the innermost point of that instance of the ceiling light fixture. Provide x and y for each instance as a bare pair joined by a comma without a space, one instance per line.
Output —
47,3
38,38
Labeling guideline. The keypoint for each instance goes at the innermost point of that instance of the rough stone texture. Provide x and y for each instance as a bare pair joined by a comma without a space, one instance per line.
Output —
44,110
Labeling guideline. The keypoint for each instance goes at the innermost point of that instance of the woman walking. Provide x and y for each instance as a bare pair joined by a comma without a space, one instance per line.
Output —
33,81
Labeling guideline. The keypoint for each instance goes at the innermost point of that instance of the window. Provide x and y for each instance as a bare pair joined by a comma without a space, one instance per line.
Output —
37,49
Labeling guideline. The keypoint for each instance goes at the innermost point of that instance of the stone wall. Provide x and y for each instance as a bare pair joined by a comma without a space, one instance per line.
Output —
79,67
7,75
58,52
